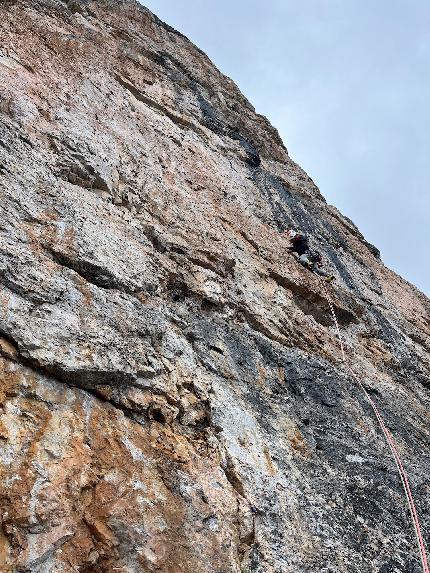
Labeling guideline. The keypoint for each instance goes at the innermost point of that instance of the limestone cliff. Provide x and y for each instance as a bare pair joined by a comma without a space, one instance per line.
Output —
172,395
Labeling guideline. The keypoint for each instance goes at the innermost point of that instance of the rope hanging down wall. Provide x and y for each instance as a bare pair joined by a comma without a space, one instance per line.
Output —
389,438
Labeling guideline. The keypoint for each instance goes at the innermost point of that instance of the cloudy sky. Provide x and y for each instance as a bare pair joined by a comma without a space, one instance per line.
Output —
347,84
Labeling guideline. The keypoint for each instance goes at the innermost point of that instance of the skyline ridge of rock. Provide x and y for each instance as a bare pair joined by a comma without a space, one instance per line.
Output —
172,397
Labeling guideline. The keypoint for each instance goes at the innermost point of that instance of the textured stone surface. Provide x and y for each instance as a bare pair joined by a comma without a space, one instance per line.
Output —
172,395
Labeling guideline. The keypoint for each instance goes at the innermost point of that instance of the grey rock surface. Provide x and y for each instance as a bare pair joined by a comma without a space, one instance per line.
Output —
173,397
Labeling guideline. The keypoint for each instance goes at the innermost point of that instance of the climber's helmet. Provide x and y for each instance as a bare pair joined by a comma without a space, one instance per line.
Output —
290,233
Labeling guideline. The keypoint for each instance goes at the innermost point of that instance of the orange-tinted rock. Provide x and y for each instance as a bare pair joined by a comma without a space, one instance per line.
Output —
172,396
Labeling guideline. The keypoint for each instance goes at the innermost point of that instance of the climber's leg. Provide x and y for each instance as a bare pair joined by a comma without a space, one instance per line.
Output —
304,260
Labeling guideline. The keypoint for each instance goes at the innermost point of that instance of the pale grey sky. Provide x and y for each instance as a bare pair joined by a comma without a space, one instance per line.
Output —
347,84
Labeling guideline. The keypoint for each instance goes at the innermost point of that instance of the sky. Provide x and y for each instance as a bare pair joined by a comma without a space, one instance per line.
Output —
347,85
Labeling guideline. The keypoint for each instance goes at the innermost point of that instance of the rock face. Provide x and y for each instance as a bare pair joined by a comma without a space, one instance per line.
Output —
172,394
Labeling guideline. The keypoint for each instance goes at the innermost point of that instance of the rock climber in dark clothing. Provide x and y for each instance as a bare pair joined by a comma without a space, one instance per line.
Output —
309,259
299,242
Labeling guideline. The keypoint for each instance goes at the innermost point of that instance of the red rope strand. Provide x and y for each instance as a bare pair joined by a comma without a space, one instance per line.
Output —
390,440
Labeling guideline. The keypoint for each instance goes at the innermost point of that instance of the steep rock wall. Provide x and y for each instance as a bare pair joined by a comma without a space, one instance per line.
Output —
172,394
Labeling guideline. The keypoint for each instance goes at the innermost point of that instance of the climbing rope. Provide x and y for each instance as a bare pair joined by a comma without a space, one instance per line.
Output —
389,438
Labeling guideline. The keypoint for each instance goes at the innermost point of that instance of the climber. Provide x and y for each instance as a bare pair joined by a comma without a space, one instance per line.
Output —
299,242
309,259
312,261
